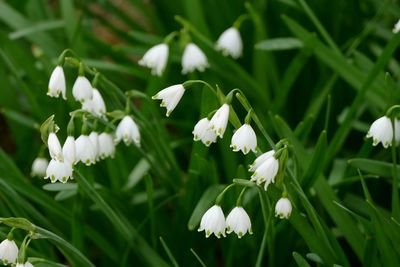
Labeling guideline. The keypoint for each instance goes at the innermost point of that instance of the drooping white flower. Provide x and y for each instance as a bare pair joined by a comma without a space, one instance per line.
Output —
8,251
96,105
54,146
203,132
26,264
244,139
85,150
230,43
106,145
170,97
128,131
156,59
193,59
69,151
59,171
57,83
238,221
213,221
219,121
266,172
260,160
94,138
82,89
39,167
283,208
381,131
396,27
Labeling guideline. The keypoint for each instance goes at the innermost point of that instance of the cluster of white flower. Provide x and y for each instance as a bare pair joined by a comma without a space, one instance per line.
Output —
381,131
193,58
213,222
9,253
265,168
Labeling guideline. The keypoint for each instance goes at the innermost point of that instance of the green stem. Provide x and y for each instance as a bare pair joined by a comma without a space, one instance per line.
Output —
221,195
395,190
240,198
266,211
208,86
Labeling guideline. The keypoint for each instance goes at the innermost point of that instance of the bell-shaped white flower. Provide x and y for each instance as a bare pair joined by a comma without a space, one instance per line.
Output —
156,59
96,105
213,222
266,172
128,131
57,83
170,97
283,208
219,121
54,147
203,132
59,171
381,130
244,139
396,27
106,145
82,89
69,151
8,251
39,167
230,43
260,160
26,264
85,150
193,59
238,221
94,138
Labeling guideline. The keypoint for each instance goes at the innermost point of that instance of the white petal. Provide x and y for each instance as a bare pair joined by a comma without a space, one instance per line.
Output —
54,147
230,43
156,58
219,121
57,83
82,89
193,59
39,167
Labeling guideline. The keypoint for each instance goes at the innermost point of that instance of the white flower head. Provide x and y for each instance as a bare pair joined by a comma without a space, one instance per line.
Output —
230,43
128,131
26,264
283,208
193,59
260,160
381,130
85,150
238,221
213,221
69,151
156,59
106,145
203,132
396,28
219,121
82,89
244,139
8,251
266,172
170,97
96,105
94,138
54,146
59,171
39,167
57,83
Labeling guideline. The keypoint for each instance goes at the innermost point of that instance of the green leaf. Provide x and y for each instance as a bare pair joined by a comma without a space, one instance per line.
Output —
169,253
380,168
35,28
275,44
301,262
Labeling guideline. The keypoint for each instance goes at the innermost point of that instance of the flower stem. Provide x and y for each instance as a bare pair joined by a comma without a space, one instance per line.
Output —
395,191
221,195
240,198
208,86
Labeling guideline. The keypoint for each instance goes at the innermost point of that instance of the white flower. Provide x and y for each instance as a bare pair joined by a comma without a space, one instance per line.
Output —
39,167
59,171
266,172
26,264
69,151
85,150
128,131
244,139
57,83
156,59
381,131
230,43
193,58
54,147
219,121
8,251
238,221
96,105
203,132
82,89
260,160
106,146
213,221
94,138
396,27
283,208
170,97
